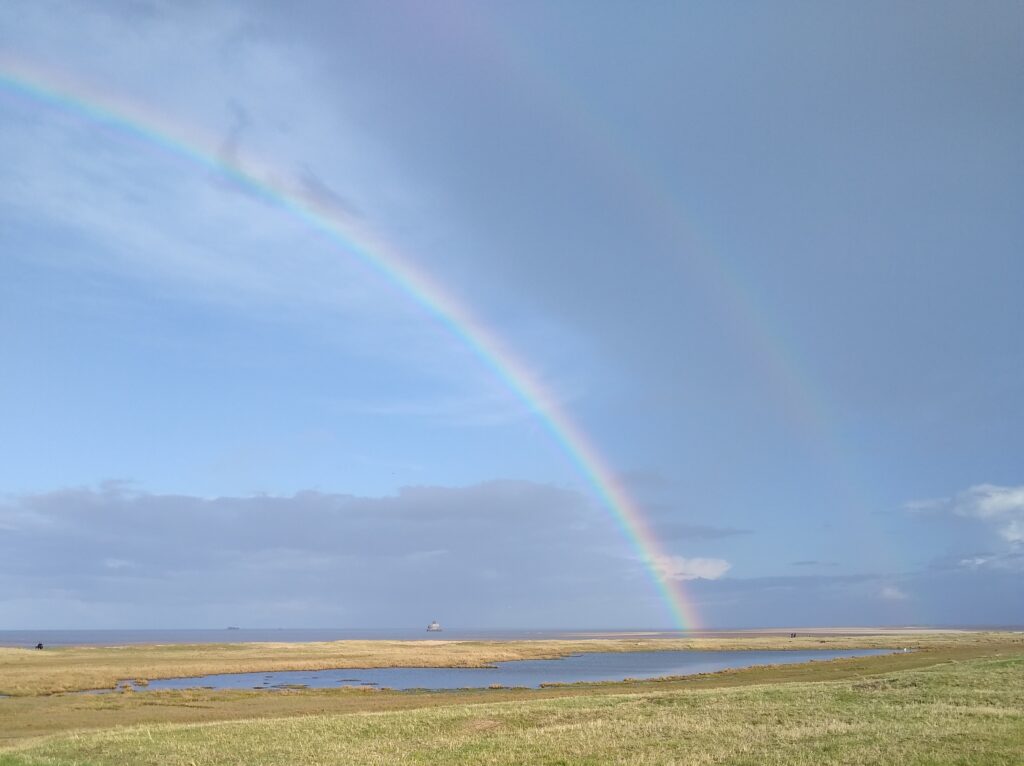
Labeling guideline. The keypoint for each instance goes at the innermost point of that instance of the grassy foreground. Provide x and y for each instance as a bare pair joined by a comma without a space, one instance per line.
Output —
956,699
955,712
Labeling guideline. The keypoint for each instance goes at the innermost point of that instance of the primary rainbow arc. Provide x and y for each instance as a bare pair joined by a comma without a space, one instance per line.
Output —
414,283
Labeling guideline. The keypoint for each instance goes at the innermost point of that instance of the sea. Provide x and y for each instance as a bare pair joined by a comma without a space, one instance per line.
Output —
121,637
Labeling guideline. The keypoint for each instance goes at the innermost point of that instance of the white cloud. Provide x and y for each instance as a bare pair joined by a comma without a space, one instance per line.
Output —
1007,562
679,568
112,563
1014,531
932,504
892,593
975,562
1002,507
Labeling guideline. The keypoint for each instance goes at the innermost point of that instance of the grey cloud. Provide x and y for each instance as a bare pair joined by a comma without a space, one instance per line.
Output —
240,122
369,560
417,519
324,197
954,596
229,154
307,184
115,555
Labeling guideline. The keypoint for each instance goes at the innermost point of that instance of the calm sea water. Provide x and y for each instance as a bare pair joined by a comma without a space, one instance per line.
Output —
30,638
597,666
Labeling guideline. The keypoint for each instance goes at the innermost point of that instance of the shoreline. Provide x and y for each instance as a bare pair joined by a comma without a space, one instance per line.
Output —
29,672
116,637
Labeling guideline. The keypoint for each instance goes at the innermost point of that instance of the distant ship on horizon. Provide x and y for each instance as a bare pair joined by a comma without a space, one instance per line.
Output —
434,627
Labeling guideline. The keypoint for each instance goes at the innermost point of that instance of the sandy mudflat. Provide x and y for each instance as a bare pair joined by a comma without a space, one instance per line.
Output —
909,630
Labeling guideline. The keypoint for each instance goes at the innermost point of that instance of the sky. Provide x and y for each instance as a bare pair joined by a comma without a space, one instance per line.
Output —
765,258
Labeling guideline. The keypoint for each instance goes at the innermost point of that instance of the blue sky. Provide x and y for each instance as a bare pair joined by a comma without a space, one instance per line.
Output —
768,259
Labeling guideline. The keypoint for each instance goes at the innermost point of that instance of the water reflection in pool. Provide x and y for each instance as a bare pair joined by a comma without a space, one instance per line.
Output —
595,666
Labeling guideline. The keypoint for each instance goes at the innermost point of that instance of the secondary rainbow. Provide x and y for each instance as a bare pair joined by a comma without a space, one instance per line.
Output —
740,306
412,281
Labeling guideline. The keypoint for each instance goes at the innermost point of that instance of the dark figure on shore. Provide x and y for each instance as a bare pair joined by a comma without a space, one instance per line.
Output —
39,645
792,635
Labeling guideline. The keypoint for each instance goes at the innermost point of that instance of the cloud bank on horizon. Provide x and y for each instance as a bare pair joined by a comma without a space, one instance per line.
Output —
769,261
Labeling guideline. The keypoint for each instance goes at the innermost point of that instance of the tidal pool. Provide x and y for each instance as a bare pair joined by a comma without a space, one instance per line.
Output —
593,666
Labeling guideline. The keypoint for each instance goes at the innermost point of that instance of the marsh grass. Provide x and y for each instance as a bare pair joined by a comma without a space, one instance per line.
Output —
955,712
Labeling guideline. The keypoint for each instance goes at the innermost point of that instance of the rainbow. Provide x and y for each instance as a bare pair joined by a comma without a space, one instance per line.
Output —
406,277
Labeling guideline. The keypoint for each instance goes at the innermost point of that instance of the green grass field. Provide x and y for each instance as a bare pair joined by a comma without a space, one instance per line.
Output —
959,700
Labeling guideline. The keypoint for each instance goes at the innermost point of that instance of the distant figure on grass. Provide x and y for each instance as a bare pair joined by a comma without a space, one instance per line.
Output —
39,645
